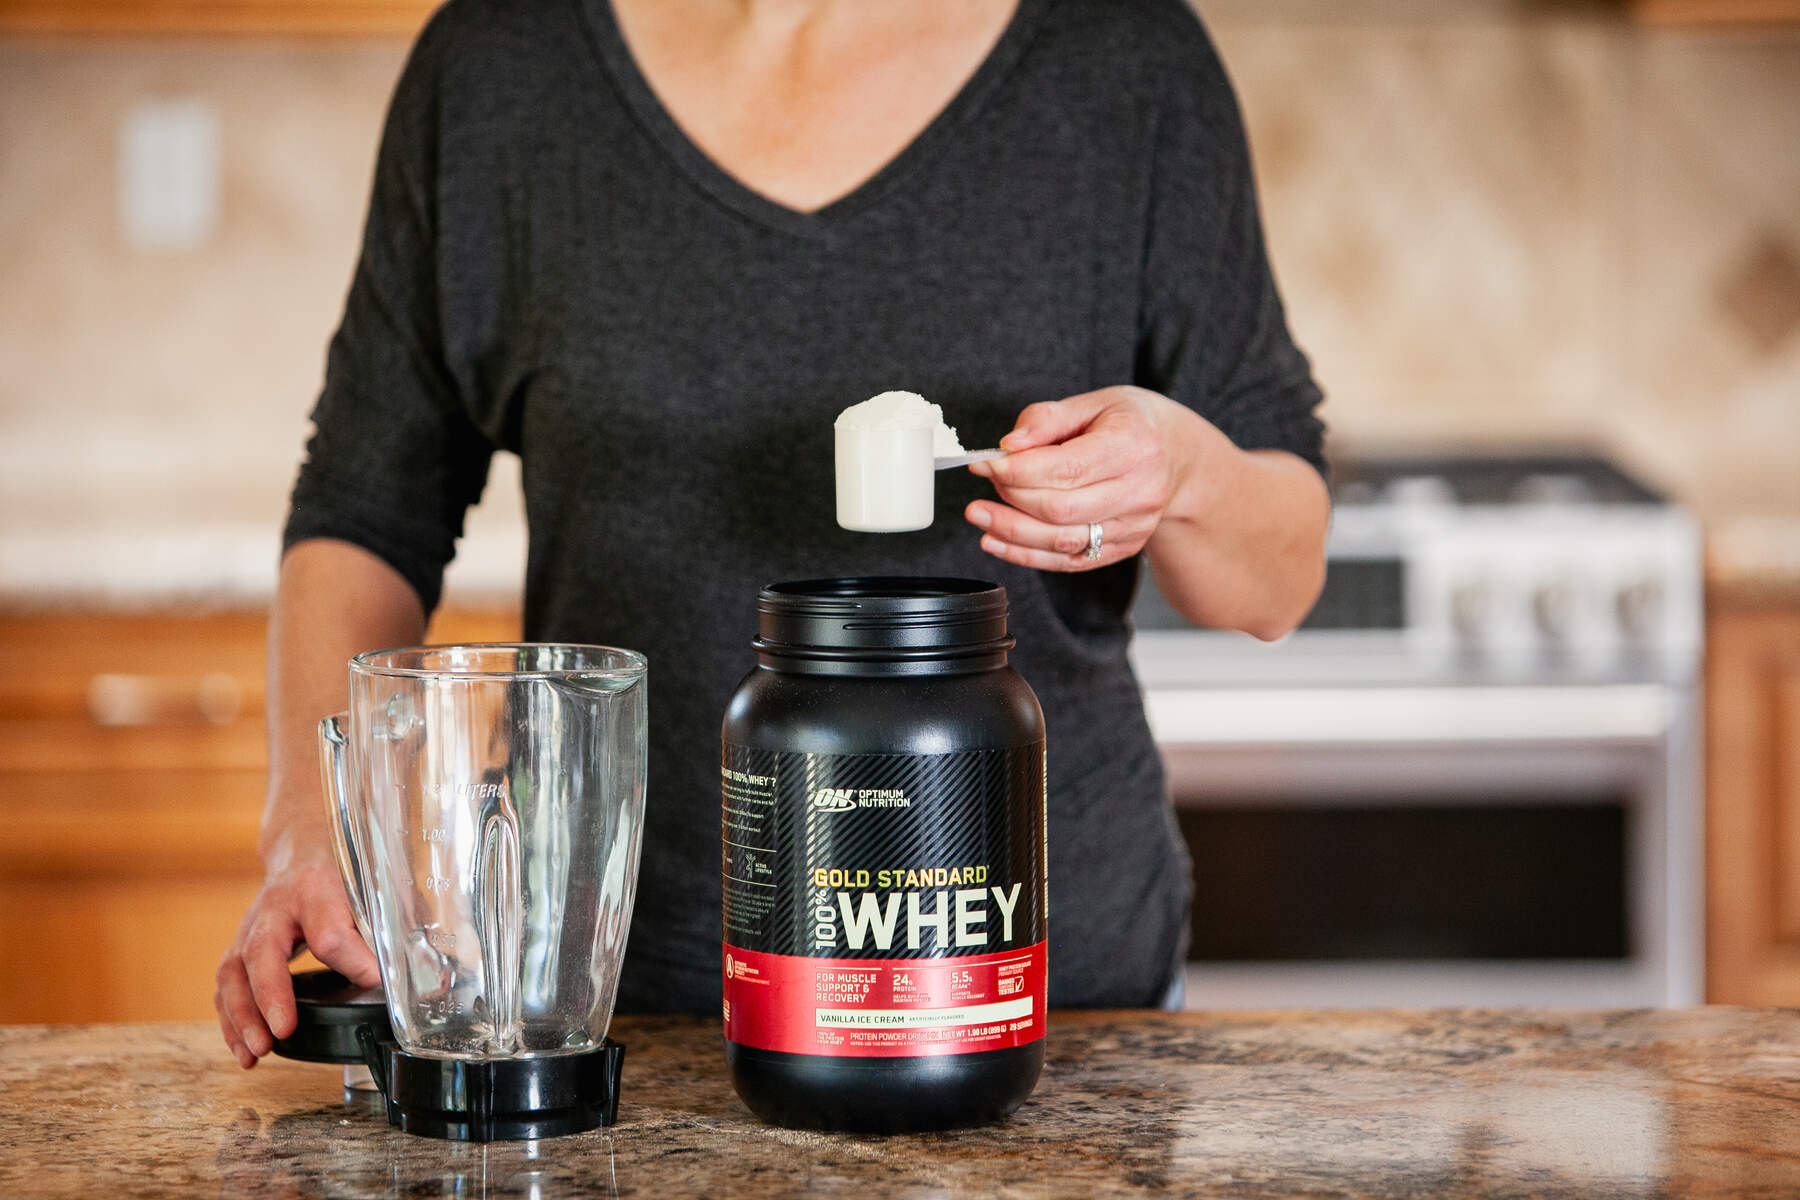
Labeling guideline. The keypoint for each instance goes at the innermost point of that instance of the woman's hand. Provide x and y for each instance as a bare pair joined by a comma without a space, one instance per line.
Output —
1117,457
333,600
1236,538
300,903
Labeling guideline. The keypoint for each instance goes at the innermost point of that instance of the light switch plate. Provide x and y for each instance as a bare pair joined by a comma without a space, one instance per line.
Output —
169,174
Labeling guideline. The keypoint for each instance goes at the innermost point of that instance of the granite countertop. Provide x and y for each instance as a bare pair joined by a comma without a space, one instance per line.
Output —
1516,1103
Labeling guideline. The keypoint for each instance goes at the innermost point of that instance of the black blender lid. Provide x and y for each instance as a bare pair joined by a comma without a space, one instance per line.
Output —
328,1009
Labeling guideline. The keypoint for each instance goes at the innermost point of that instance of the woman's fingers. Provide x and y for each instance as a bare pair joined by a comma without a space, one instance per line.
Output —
1049,497
233,1040
1113,466
1112,500
266,961
1082,462
331,935
1051,421
1118,444
1053,560
1020,538
255,995
1065,530
1096,457
237,1005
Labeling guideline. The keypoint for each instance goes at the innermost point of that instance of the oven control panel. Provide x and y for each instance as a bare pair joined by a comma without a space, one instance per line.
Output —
1590,587
1553,577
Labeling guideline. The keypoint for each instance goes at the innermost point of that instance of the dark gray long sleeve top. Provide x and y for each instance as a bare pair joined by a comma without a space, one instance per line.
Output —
551,268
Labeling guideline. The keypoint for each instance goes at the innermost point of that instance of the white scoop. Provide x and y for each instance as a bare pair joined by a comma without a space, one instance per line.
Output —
887,448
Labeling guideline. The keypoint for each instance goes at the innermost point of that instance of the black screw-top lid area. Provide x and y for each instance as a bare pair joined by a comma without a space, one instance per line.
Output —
884,623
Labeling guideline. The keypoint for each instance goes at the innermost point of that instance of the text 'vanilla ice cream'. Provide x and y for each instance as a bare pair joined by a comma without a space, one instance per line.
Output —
885,448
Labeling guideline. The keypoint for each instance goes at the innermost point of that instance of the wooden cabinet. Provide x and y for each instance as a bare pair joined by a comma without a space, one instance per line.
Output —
392,17
132,774
1753,799
1716,14
131,786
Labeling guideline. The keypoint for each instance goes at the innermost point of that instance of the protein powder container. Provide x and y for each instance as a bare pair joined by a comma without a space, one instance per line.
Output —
884,891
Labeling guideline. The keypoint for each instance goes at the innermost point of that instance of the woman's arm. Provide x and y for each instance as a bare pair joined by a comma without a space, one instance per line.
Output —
334,600
1236,538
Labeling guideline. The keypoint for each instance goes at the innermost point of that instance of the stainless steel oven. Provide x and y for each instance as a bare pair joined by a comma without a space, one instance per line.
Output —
1472,777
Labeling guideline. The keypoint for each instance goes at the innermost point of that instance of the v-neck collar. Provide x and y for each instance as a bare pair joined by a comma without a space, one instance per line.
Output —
725,188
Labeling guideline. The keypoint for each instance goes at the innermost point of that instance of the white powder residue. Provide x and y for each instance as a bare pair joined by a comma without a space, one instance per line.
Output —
902,410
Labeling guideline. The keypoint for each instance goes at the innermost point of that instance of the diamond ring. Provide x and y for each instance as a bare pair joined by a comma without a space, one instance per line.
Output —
1094,541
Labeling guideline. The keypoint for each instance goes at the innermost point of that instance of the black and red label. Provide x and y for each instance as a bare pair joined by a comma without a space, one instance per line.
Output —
884,904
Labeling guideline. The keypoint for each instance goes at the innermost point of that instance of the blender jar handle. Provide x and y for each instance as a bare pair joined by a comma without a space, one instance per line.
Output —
334,769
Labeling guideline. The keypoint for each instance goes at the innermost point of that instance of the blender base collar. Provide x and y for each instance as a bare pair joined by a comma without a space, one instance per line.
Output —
499,1099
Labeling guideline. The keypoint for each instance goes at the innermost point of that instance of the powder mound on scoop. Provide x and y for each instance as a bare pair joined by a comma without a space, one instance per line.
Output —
902,410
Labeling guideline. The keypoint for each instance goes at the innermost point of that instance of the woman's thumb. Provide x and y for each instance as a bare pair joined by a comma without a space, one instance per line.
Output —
1051,421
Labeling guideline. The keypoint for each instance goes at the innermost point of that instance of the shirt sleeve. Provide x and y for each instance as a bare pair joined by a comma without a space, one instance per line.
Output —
1212,333
395,458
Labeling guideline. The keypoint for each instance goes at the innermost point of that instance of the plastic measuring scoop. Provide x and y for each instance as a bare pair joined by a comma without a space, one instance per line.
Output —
966,459
885,478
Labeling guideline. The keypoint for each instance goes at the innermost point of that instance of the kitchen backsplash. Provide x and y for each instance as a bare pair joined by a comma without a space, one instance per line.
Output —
1506,228
1492,224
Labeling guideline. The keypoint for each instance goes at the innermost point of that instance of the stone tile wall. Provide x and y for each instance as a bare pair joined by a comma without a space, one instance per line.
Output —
1494,223
1501,224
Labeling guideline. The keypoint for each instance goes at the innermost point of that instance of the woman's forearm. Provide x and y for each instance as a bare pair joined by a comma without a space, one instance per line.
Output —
1241,544
334,600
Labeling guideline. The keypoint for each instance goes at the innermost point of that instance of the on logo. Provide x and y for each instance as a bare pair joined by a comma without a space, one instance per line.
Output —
834,799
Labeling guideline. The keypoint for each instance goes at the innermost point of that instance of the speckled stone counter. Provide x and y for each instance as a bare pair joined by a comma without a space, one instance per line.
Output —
1697,1102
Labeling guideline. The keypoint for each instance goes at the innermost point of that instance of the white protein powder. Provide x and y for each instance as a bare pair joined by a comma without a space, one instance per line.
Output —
902,410
884,449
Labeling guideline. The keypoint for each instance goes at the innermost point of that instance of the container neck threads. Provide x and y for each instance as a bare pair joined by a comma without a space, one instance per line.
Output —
883,625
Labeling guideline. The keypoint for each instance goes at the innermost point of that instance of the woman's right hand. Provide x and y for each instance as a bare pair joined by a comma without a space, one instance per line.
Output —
332,601
301,903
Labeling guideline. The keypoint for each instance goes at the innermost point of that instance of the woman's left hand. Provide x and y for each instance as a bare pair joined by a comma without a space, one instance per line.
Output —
1113,456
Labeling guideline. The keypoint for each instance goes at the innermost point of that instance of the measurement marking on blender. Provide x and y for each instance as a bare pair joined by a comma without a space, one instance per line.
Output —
437,883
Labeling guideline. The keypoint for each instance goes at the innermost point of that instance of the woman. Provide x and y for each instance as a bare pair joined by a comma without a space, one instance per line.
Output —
654,246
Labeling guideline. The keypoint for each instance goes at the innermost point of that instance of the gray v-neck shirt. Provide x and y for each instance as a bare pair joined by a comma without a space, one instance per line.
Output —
551,267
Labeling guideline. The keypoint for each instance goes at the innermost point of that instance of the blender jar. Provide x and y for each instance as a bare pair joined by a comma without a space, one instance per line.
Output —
487,803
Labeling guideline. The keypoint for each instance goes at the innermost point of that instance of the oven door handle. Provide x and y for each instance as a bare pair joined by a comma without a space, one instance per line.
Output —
1327,716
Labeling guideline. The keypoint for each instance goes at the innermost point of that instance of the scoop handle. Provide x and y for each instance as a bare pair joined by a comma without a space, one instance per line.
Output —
964,460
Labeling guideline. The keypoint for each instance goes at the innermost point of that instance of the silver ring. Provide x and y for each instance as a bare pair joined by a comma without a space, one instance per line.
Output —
1094,541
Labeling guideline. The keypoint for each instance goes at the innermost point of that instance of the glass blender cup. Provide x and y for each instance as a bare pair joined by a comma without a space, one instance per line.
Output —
487,803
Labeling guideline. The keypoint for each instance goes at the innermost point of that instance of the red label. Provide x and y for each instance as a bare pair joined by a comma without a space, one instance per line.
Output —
884,1007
